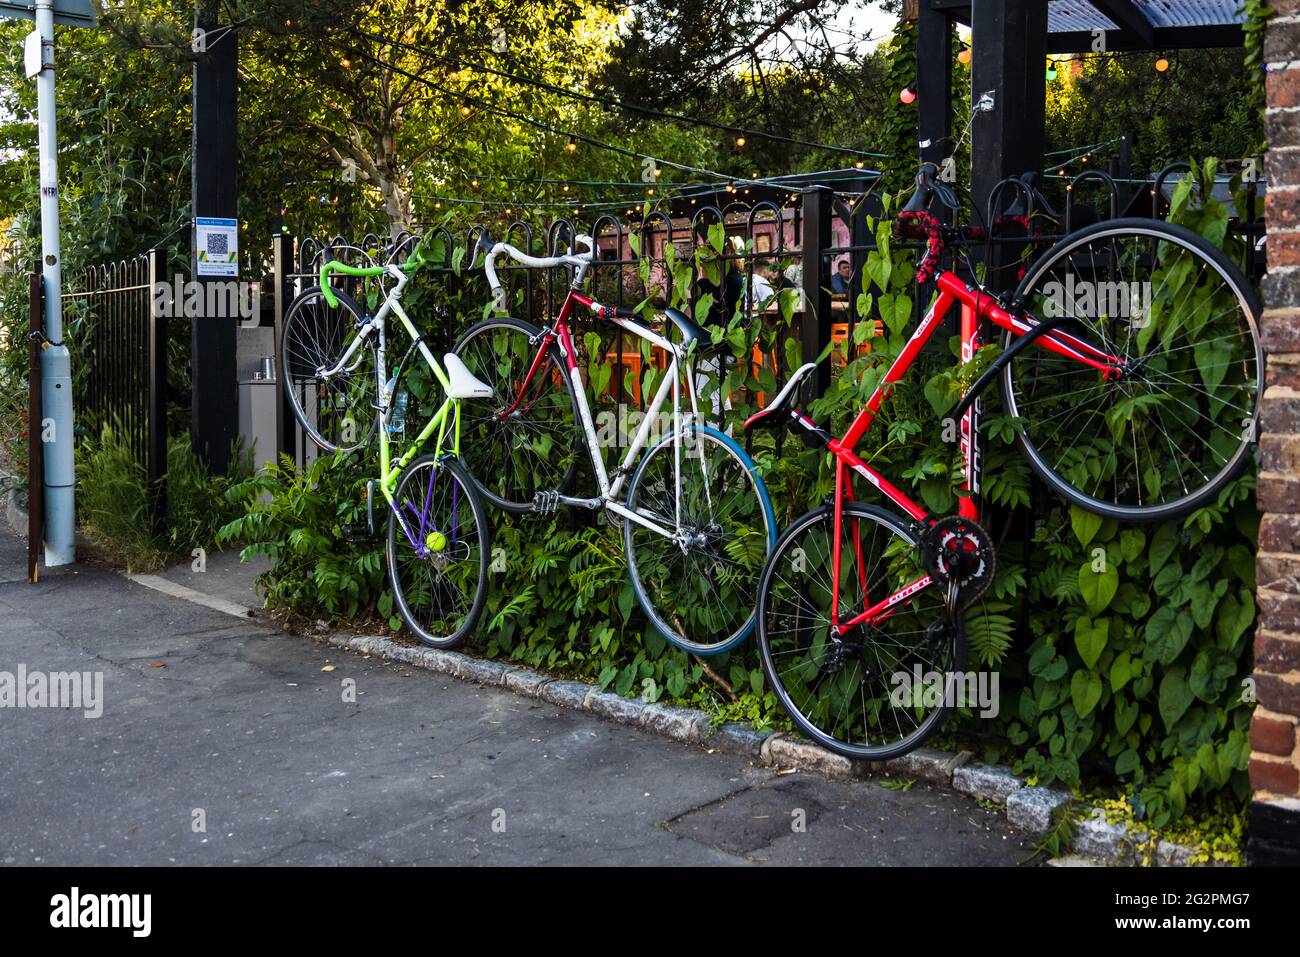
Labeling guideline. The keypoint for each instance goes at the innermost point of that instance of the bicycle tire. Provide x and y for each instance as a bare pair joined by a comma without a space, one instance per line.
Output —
1046,461
700,575
315,335
484,437
774,620
466,620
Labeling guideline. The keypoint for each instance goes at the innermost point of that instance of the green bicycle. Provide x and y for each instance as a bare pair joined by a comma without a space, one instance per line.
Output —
332,360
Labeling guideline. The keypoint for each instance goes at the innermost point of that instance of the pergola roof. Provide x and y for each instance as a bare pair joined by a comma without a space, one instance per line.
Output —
1130,24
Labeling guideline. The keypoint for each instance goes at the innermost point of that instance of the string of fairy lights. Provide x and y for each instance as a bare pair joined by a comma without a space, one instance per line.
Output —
652,192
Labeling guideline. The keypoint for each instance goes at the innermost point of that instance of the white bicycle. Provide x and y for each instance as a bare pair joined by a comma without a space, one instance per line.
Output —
697,521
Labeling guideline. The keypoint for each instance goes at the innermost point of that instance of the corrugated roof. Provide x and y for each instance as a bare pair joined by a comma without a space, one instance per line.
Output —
1190,13
1069,16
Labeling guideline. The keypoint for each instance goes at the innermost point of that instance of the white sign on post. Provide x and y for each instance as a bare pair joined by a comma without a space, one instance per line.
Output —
33,54
217,241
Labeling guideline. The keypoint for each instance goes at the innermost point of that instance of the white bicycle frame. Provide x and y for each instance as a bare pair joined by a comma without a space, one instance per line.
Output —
611,489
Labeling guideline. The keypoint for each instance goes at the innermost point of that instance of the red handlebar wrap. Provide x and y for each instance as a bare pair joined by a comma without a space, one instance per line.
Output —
920,224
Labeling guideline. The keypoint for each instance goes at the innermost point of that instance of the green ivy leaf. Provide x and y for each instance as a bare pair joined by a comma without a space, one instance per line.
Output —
1097,588
1167,633
1040,658
1090,638
1131,543
1162,545
1204,601
1085,524
1210,673
1085,691
1235,615
1122,670
1175,697
1127,762
1126,715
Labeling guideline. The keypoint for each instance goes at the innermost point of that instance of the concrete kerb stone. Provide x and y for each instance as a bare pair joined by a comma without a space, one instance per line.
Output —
480,670
1031,808
1097,837
926,764
782,751
733,738
1028,808
615,707
525,681
986,782
681,724
566,694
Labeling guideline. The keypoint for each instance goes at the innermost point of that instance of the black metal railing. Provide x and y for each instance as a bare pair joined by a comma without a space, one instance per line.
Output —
122,345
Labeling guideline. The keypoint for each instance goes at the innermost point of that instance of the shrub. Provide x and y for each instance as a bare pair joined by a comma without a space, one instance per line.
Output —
112,502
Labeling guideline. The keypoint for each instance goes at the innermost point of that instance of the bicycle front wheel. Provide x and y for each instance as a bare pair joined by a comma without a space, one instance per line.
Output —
1178,423
871,695
438,551
328,371
523,439
699,583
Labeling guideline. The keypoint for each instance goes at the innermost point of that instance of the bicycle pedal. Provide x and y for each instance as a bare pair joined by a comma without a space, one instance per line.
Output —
546,503
357,532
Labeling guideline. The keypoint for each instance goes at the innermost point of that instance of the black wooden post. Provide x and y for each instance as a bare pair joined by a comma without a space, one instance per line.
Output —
282,249
1009,53
933,82
815,327
35,426
156,418
212,364
1009,59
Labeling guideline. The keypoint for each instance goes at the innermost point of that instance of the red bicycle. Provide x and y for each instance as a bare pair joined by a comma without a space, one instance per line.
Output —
1131,369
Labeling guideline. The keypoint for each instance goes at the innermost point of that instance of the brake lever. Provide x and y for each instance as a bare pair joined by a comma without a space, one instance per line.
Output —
946,196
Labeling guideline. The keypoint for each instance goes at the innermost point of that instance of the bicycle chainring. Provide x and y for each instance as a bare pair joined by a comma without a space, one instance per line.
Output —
958,551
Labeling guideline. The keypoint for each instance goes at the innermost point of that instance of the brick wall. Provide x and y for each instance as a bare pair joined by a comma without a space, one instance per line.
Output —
1275,744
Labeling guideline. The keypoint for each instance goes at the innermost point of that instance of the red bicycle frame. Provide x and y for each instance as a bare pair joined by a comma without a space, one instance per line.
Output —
976,306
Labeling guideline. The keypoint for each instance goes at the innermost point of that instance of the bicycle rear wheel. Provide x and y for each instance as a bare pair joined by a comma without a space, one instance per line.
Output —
518,442
1165,436
870,696
337,411
438,549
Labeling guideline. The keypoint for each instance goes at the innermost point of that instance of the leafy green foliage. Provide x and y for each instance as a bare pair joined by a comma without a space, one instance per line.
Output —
300,520
113,506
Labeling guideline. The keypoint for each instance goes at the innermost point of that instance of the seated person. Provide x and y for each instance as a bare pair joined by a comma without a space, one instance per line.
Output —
842,278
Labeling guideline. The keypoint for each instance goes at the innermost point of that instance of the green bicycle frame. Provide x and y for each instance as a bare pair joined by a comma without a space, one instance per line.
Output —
445,420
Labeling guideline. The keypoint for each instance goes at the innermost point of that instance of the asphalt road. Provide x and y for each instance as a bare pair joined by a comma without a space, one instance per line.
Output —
224,741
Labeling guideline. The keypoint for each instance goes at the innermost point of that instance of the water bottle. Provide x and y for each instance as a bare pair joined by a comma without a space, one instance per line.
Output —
396,408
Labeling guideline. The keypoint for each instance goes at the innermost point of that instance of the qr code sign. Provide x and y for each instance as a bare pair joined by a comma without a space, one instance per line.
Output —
218,244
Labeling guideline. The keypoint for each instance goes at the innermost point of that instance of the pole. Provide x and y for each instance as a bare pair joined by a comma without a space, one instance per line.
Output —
35,450
815,326
934,83
214,379
56,364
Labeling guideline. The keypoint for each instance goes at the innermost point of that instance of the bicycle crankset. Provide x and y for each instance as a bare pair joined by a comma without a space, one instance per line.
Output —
959,556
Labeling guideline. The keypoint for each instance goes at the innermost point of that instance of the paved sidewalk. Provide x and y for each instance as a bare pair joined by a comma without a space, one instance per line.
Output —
206,715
